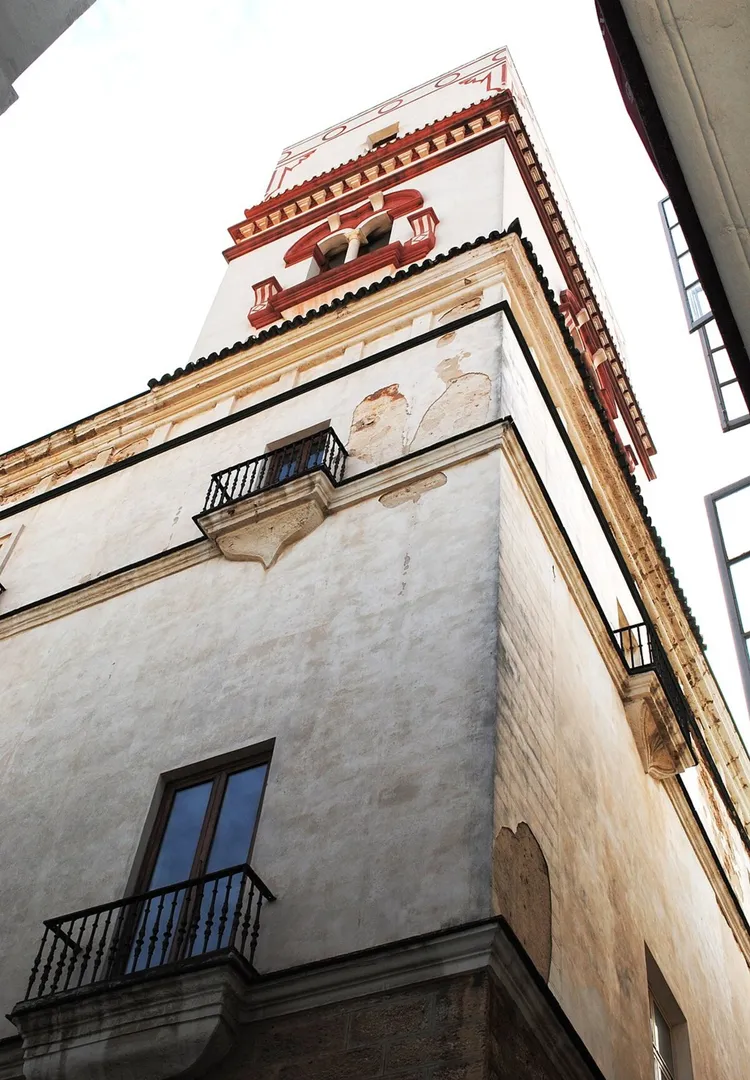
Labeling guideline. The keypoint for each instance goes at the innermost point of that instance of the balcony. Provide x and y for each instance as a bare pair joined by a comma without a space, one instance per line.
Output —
657,709
322,451
154,978
256,509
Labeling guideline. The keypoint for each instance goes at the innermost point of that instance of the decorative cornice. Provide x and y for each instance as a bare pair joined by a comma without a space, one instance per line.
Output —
349,183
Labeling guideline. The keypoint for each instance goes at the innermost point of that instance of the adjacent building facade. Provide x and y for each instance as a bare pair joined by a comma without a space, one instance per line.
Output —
354,723
27,28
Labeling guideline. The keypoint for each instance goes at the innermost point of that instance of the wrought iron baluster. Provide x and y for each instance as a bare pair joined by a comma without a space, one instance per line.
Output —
195,919
99,955
61,961
154,937
140,938
37,962
168,929
209,921
224,913
182,927
238,910
75,950
247,918
87,950
47,970
256,927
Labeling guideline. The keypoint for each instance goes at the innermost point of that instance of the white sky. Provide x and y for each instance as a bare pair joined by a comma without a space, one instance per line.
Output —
145,131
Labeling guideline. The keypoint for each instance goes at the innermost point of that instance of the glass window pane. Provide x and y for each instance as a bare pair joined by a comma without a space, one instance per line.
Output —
734,403
678,239
722,367
236,824
663,1038
715,340
734,519
669,212
697,302
687,269
741,580
180,839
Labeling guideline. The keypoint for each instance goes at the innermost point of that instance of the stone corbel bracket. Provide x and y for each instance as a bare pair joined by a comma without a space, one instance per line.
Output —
661,744
260,528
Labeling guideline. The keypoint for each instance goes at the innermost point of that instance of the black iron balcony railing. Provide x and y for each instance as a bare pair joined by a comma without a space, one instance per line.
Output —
641,650
322,451
216,914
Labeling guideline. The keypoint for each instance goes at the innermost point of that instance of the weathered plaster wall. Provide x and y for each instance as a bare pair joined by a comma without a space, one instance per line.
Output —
147,508
367,652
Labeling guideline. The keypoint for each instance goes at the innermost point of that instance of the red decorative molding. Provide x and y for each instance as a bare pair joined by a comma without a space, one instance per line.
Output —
271,300
396,204
265,291
399,161
378,170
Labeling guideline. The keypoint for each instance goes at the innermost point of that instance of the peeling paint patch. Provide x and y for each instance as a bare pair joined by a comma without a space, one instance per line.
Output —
412,493
378,423
463,405
124,452
461,309
521,889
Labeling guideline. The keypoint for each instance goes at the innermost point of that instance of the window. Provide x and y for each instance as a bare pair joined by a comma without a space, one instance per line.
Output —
296,455
377,237
661,1036
694,299
731,405
206,822
729,517
670,1046
382,136
335,254
730,402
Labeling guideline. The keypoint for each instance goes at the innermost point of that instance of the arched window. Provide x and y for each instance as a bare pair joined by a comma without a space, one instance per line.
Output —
376,236
333,253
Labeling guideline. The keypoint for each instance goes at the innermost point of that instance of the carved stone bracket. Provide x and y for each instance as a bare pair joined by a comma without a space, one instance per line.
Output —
260,528
663,748
156,1028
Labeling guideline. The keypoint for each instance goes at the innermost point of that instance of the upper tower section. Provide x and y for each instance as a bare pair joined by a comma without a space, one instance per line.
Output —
457,158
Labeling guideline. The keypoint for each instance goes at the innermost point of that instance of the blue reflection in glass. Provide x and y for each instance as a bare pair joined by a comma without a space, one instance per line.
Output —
236,824
154,933
177,851
230,847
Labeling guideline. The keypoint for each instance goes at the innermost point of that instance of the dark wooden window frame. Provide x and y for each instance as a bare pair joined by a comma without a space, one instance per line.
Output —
219,771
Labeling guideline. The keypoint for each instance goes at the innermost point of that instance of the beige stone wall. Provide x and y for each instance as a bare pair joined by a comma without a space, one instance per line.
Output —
622,873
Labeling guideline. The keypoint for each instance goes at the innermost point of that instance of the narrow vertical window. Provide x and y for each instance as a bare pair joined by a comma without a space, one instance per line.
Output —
670,1044
694,299
730,403
661,1036
729,517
